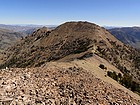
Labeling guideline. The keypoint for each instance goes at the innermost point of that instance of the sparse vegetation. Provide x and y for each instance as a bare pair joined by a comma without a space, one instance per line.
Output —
137,62
125,80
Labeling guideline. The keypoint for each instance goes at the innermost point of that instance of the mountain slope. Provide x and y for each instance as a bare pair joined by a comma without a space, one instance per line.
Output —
72,40
69,38
8,37
128,35
73,49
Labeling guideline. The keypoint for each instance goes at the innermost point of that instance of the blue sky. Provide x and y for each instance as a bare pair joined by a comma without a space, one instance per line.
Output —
55,12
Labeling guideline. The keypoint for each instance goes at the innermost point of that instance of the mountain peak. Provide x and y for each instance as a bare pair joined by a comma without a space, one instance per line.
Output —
74,56
67,39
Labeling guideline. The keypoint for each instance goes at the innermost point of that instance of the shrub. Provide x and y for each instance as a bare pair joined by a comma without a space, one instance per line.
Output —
126,80
102,66
113,75
119,75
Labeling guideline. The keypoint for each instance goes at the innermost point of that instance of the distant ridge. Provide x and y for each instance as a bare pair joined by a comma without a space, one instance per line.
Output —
20,28
128,35
8,37
111,27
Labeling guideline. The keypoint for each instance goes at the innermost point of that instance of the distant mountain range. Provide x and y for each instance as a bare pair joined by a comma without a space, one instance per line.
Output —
25,29
110,27
128,35
10,33
8,37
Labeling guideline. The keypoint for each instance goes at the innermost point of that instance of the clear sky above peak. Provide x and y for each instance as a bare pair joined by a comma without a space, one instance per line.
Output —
55,12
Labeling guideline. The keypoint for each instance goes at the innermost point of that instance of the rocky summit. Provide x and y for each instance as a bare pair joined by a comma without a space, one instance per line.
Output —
54,84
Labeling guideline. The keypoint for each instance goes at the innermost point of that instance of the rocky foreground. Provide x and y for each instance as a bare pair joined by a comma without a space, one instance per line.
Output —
53,85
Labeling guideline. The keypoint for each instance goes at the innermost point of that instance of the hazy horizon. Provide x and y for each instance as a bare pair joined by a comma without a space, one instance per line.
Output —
55,25
54,12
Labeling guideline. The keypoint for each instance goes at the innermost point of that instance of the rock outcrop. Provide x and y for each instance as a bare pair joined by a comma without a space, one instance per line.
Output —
52,84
